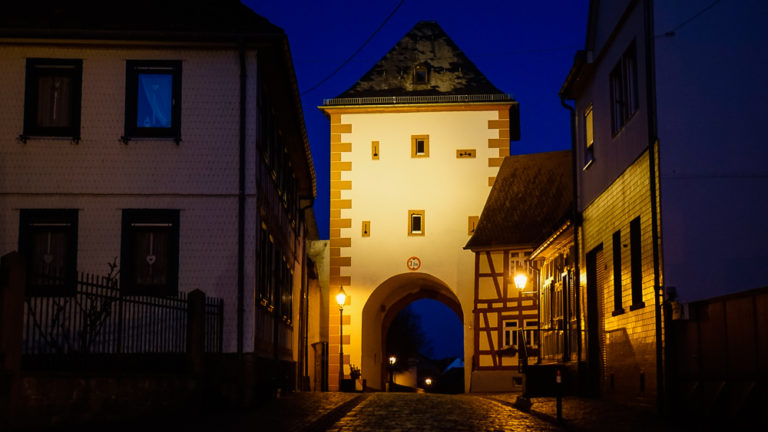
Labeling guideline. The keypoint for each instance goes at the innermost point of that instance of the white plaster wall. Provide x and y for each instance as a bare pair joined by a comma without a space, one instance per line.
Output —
711,96
447,188
100,176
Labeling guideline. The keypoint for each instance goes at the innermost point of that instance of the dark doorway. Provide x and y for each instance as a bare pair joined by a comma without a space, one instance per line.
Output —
593,339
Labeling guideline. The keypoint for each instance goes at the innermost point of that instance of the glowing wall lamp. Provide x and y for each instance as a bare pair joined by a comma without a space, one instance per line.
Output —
341,298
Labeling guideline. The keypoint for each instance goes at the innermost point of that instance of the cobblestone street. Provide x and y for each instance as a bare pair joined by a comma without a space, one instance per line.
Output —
406,412
403,412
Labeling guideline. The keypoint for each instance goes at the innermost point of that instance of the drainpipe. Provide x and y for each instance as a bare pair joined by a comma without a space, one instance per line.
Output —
241,201
650,88
304,306
576,223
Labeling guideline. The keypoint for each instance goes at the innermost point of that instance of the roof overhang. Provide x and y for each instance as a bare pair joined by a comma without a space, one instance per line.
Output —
556,241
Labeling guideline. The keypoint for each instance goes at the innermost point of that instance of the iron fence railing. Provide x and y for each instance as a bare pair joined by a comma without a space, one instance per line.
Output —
97,319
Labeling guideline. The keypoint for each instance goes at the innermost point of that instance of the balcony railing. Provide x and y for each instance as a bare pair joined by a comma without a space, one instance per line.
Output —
393,100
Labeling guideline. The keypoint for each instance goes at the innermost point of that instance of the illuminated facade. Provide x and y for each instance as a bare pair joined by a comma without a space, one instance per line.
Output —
415,147
530,198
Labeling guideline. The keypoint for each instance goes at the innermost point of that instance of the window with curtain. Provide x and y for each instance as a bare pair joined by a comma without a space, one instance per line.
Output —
53,97
153,99
48,242
150,252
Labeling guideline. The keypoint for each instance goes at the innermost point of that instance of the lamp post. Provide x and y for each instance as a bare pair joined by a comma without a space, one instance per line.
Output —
521,279
392,361
341,298
428,383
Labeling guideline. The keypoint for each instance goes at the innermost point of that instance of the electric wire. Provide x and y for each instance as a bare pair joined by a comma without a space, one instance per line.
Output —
356,51
672,32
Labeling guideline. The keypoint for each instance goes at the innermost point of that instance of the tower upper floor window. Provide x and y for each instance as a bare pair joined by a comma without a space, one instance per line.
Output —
415,222
421,74
419,146
623,81
153,99
52,97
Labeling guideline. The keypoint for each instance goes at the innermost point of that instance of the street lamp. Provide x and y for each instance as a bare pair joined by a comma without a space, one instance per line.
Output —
392,361
521,279
341,298
428,383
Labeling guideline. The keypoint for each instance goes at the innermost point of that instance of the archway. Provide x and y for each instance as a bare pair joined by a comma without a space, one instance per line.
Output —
384,303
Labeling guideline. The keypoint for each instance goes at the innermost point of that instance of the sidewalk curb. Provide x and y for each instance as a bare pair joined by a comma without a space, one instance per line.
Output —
328,419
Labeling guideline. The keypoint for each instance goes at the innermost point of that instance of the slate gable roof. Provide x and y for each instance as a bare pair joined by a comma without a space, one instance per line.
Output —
134,20
450,70
531,197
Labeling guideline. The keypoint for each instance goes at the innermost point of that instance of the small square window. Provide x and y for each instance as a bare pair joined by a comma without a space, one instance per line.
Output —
421,74
52,97
415,222
150,252
419,146
153,99
48,242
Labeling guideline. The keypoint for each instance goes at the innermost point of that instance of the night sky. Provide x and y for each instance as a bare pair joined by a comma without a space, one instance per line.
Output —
525,48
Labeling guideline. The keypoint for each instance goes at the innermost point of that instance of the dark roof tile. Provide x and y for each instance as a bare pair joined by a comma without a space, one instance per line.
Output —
531,197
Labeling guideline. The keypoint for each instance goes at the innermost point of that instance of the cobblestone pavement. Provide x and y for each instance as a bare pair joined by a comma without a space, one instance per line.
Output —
581,414
408,412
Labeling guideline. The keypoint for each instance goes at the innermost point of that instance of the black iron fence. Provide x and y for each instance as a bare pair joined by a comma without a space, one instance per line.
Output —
97,319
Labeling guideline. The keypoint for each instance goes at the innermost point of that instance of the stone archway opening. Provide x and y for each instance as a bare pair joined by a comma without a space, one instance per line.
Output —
385,302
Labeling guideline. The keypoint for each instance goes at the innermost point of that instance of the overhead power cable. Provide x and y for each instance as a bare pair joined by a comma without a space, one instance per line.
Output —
672,32
356,52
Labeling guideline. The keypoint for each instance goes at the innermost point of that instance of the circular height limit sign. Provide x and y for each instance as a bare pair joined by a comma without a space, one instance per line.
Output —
413,263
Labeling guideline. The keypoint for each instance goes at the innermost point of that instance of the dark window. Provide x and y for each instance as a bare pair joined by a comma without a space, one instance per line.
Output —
421,74
153,99
419,146
52,97
416,222
277,276
617,307
286,292
623,78
48,242
150,252
265,263
637,270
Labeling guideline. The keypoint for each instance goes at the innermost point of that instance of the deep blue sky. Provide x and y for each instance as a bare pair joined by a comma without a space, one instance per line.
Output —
524,47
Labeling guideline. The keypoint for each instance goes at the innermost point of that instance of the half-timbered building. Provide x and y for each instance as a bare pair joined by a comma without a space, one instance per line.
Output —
529,200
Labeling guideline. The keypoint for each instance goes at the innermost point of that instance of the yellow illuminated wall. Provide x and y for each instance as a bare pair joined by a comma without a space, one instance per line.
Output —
380,190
